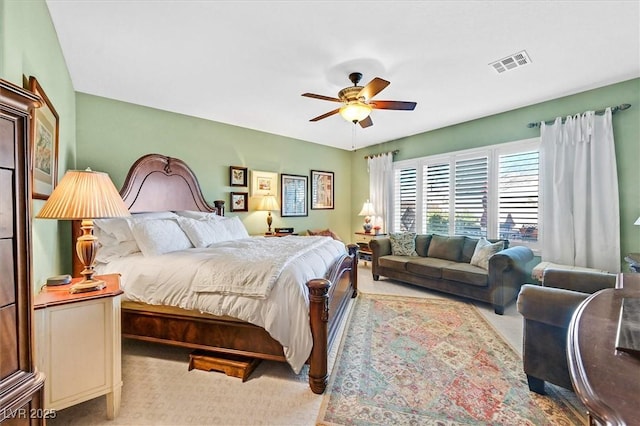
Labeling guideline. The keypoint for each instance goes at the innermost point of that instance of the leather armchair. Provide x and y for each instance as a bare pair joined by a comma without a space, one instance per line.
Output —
547,312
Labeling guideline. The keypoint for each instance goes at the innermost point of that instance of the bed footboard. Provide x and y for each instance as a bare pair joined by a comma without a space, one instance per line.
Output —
327,309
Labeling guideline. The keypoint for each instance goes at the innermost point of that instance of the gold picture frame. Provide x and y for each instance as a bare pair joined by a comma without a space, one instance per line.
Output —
44,145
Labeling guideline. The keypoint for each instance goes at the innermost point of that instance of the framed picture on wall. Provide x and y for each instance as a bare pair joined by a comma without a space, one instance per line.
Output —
238,176
293,195
321,190
239,202
44,145
264,183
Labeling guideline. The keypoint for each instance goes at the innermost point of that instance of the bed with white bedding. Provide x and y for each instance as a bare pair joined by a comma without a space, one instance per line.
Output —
194,278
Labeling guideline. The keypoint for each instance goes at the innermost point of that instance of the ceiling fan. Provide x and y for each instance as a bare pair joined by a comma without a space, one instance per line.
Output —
357,102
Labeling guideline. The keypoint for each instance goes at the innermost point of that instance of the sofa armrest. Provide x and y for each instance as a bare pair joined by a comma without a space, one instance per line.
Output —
581,281
379,247
507,272
553,306
513,258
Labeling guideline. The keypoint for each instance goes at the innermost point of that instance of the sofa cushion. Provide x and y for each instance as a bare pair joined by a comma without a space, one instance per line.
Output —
427,266
466,273
468,248
394,262
484,250
422,244
403,244
448,248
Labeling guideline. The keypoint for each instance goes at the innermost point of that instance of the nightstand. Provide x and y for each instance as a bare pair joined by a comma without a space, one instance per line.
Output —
364,251
78,344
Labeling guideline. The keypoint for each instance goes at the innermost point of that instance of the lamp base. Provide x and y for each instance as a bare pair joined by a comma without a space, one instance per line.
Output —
87,285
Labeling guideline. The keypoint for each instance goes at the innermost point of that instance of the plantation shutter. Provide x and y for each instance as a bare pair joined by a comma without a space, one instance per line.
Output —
518,196
404,203
470,202
436,198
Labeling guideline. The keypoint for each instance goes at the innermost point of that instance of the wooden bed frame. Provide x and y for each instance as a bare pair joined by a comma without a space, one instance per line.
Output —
159,183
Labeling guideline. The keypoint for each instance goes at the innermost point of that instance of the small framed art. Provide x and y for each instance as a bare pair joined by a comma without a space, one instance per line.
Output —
293,195
321,190
238,176
264,183
239,202
44,144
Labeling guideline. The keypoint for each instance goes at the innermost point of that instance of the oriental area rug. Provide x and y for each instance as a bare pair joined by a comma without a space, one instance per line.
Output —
416,361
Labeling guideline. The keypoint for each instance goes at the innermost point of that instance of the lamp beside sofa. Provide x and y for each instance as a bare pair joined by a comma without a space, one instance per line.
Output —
444,263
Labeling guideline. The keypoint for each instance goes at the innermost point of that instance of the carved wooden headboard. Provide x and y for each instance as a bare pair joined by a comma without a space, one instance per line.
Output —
158,183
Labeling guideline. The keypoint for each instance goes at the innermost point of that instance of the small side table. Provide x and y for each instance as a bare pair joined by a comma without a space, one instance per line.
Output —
78,344
364,251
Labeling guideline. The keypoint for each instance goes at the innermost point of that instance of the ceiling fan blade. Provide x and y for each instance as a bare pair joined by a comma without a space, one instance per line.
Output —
322,97
372,88
399,105
366,122
325,115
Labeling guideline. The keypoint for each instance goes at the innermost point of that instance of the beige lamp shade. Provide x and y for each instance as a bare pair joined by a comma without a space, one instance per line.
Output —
637,222
268,203
85,195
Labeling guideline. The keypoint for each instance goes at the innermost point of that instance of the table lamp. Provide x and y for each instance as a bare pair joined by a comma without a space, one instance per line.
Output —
267,204
367,212
85,195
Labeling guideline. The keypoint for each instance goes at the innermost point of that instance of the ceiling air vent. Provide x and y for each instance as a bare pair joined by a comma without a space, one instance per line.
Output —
511,62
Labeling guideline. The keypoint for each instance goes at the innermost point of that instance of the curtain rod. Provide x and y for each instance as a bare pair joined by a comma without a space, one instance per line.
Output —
614,109
382,153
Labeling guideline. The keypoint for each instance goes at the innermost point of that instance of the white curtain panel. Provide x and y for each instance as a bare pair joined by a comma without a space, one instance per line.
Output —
380,186
579,182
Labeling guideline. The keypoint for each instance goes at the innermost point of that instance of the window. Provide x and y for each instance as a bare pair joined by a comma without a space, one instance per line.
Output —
518,196
492,192
405,200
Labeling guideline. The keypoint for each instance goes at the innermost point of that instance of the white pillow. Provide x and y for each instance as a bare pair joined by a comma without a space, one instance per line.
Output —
159,236
203,233
109,252
192,214
484,250
236,228
120,227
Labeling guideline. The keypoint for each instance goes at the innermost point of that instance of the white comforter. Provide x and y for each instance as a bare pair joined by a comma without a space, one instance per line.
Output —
173,279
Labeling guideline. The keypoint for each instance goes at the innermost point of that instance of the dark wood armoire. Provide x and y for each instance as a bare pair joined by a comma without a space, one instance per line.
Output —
20,383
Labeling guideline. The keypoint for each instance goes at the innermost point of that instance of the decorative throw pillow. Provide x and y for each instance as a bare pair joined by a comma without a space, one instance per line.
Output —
484,250
403,244
159,236
324,233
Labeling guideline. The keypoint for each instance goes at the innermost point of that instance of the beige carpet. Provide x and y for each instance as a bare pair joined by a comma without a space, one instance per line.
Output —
159,390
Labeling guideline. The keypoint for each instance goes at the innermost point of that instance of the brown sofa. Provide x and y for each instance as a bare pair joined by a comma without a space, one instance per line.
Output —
443,263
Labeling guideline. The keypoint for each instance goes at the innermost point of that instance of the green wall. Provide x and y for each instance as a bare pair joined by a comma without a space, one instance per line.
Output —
112,135
29,46
512,126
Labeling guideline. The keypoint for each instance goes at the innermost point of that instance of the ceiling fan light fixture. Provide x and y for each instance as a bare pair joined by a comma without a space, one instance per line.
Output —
355,111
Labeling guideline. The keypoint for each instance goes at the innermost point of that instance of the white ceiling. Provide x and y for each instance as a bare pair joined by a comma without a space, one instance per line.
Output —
246,63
